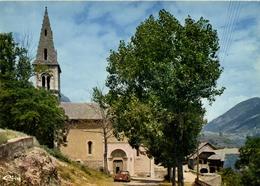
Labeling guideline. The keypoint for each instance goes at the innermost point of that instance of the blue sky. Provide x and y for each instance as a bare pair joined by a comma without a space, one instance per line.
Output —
84,33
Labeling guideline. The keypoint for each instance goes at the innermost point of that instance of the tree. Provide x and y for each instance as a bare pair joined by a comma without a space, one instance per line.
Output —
23,107
157,82
230,177
249,162
105,123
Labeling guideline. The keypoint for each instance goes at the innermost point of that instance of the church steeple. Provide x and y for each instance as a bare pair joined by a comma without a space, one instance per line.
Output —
48,76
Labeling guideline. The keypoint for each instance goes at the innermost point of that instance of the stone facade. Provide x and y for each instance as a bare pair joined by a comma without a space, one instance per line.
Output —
85,140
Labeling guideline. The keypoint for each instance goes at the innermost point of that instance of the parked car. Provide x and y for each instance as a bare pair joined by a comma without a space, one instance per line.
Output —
122,176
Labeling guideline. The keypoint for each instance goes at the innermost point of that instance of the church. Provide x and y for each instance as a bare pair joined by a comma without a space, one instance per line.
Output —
85,141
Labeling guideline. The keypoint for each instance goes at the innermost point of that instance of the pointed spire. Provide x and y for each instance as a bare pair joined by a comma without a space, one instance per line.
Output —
46,11
46,52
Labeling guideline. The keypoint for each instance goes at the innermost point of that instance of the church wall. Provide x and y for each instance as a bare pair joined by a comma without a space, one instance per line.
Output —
77,147
82,132
143,166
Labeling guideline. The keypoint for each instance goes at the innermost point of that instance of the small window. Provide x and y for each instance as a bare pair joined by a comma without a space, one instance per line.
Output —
45,32
45,54
43,81
48,82
90,147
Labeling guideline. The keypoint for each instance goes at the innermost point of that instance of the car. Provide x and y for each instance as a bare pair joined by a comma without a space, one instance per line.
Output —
122,176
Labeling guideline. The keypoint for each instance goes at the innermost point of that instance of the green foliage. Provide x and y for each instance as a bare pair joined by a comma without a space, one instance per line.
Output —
249,162
14,63
157,82
57,154
99,98
23,107
230,177
6,135
3,138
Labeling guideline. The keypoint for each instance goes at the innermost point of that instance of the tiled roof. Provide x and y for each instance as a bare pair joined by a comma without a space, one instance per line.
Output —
89,111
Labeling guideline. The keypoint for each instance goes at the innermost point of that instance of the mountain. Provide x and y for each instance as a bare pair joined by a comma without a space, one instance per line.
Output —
243,118
64,98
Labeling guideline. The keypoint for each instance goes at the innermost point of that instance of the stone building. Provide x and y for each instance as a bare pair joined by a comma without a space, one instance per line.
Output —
85,139
46,63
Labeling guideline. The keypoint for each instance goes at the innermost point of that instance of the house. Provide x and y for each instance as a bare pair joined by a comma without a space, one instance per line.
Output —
85,139
205,150
212,159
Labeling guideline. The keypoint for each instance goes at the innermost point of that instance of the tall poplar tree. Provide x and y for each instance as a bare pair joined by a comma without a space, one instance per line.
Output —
157,82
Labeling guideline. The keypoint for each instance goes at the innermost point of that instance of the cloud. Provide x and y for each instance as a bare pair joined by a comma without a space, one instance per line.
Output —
84,33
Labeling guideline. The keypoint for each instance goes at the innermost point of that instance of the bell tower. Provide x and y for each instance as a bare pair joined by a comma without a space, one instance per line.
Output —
46,65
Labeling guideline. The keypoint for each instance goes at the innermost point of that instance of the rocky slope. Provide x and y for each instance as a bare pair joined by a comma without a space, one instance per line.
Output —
243,118
37,166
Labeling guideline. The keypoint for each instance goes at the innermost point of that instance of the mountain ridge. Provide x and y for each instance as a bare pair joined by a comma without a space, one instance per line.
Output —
243,118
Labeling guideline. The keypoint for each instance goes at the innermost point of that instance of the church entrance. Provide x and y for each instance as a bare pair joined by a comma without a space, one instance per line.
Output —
117,166
118,160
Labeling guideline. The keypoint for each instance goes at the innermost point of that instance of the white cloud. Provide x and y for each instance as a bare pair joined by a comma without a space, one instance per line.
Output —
84,32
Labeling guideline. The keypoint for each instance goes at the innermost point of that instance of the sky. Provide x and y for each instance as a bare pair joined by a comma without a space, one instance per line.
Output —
85,32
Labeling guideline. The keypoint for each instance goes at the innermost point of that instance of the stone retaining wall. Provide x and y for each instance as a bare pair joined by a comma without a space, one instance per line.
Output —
213,181
15,146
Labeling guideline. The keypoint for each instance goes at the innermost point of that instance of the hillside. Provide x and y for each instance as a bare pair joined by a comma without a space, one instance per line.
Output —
23,162
243,119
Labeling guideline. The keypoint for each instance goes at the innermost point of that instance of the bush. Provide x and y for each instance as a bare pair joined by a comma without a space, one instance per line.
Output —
3,138
230,177
57,154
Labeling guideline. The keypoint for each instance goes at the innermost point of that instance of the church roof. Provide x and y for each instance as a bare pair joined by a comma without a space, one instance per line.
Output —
81,110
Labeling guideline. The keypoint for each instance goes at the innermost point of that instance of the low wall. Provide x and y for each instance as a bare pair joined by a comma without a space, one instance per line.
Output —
200,183
213,181
15,146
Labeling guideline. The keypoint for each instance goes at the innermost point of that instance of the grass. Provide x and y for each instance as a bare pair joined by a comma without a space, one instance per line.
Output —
57,154
6,135
3,138
76,173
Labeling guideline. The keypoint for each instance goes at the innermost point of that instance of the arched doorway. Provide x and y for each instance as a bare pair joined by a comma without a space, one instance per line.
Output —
119,160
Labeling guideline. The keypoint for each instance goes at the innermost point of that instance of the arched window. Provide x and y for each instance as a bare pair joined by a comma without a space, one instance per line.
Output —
45,32
90,147
48,82
43,81
45,54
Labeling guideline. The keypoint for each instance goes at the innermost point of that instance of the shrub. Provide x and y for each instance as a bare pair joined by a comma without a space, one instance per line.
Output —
3,138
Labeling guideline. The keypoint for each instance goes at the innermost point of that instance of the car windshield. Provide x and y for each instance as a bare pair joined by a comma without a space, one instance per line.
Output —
124,172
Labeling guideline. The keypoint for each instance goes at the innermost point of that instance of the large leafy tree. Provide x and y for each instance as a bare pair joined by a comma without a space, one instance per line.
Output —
249,162
23,107
157,82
